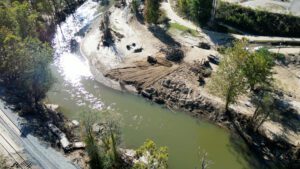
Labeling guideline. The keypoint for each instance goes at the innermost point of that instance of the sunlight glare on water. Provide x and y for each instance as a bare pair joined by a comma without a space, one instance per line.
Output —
73,67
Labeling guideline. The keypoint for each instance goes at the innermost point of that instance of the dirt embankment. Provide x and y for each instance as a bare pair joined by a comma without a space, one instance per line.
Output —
177,87
182,85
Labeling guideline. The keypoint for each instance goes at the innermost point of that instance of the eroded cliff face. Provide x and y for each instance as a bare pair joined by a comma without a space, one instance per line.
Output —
181,90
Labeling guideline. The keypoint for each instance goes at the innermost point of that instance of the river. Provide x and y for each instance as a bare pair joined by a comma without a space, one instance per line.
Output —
76,91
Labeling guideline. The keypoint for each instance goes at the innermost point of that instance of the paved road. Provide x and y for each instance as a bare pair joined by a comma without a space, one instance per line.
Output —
295,7
29,146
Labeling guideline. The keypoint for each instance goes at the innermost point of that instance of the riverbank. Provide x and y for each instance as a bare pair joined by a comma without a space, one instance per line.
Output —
177,86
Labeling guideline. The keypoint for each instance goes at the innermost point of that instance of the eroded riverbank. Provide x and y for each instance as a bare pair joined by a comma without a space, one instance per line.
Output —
77,91
177,85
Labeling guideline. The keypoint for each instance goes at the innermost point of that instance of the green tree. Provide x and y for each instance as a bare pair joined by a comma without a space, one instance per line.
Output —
157,157
229,81
197,10
104,143
264,108
26,18
135,6
91,142
184,7
200,10
110,137
24,59
152,11
37,78
258,68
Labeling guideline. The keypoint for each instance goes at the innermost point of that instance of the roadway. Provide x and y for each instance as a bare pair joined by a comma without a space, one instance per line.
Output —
27,151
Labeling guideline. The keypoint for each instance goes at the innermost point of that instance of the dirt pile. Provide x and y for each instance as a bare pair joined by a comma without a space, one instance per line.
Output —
143,74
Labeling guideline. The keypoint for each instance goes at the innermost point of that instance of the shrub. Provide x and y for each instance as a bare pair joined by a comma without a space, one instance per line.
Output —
258,22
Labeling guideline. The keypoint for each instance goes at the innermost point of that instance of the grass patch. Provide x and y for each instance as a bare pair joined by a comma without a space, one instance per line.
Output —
183,28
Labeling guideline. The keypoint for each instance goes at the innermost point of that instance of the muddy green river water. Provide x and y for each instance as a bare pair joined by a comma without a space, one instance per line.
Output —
76,91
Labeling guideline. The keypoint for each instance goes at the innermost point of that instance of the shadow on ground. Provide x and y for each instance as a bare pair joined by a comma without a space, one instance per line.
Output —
163,36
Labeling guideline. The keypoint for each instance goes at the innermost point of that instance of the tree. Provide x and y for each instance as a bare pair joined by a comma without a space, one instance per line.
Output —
152,11
258,68
156,156
111,139
91,142
229,81
200,10
184,6
197,10
135,6
24,59
264,108
26,18
103,145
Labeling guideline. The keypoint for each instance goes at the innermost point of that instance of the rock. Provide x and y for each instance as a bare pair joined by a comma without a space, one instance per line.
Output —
159,100
248,104
151,60
150,90
138,50
206,72
118,35
185,90
201,81
206,64
166,83
214,59
174,54
146,94
78,145
97,128
52,107
128,155
204,45
75,123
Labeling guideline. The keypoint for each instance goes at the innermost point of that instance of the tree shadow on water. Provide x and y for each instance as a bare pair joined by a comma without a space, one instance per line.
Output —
243,153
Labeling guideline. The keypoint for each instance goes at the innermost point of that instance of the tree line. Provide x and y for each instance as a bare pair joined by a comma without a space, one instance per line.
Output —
24,55
198,11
